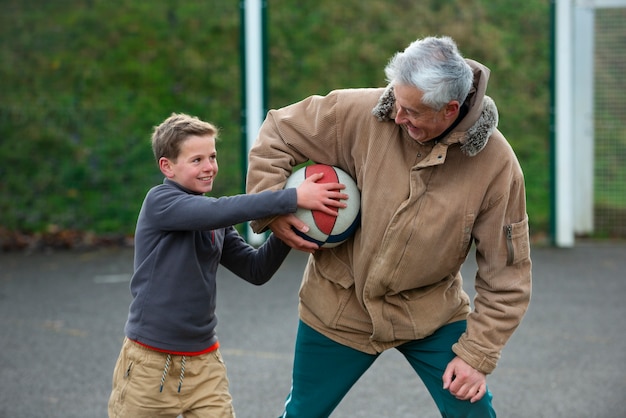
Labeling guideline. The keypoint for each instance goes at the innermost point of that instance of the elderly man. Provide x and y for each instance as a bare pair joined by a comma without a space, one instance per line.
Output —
436,176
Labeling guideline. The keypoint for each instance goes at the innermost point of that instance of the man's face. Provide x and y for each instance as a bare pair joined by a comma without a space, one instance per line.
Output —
423,123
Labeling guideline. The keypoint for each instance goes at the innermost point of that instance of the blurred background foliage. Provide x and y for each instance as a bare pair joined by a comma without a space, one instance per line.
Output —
83,83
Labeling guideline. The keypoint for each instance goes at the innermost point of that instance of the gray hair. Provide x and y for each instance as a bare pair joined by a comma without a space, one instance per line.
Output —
434,66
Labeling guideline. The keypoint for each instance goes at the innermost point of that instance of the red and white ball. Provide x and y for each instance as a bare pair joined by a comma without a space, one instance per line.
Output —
325,230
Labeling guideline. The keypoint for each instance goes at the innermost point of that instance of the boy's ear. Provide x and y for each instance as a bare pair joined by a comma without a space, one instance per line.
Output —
165,166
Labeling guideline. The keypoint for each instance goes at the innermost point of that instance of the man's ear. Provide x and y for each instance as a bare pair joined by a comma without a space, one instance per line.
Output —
165,165
452,110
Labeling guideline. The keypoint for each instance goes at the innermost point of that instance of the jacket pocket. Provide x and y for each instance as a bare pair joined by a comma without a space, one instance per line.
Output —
334,266
517,242
466,234
327,291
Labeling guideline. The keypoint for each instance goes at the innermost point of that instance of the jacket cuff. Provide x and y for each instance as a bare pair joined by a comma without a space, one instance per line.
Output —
474,358
261,225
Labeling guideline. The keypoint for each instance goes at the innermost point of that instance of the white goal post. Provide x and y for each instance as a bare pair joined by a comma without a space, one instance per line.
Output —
253,84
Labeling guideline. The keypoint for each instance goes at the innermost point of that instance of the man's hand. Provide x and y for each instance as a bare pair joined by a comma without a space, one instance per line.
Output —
281,227
463,381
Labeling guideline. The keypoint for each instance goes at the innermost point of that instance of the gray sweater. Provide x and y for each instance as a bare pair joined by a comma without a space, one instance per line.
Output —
180,240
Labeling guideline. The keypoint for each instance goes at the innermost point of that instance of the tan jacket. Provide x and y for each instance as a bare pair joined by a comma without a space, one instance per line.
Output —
422,207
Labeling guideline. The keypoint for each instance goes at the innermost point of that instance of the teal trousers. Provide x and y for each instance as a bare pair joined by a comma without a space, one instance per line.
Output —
324,371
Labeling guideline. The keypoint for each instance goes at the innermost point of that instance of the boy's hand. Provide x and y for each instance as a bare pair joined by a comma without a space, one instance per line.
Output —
282,228
321,196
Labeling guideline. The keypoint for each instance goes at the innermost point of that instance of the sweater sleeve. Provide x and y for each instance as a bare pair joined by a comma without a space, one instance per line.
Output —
176,211
255,266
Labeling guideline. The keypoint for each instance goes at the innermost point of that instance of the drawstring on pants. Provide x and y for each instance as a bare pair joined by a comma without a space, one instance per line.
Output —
168,360
166,368
182,373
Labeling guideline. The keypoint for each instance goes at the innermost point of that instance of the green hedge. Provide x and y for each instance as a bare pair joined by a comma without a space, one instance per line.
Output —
82,83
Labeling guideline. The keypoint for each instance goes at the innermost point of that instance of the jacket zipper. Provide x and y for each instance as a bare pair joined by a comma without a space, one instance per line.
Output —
509,245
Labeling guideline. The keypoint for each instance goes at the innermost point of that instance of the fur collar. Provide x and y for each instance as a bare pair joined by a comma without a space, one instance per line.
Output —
472,141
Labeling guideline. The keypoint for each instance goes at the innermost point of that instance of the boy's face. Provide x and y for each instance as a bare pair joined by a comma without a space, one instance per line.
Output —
196,165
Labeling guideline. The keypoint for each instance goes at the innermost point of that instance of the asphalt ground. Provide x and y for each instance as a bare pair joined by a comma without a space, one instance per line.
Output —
62,316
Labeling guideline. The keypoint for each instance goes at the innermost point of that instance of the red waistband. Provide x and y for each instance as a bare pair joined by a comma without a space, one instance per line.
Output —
181,353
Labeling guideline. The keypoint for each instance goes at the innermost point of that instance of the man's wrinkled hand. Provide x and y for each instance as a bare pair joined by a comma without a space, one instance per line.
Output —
463,381
282,228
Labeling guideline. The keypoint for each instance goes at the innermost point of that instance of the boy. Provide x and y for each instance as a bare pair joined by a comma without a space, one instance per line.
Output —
170,364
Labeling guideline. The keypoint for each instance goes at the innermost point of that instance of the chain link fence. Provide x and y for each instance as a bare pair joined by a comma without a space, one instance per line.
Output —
610,123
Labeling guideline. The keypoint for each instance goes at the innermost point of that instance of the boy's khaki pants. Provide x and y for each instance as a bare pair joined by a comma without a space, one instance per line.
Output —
146,384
